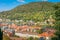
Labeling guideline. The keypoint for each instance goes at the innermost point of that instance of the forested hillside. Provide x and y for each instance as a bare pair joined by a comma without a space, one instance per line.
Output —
37,11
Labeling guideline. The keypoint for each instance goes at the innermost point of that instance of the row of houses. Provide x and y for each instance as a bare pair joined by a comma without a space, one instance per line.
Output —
10,29
13,27
27,31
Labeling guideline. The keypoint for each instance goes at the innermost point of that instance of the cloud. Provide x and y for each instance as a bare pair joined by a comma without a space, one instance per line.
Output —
20,0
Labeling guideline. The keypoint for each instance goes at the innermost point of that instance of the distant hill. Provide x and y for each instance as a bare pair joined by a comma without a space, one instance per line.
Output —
34,7
37,11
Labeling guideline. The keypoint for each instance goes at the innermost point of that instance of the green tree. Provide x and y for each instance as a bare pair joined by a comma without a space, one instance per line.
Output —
57,14
57,37
57,24
36,38
39,31
30,38
1,35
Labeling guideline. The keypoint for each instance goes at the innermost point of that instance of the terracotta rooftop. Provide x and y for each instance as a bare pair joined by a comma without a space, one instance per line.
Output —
46,34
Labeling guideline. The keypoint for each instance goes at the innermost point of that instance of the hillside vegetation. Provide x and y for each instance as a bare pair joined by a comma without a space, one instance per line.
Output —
37,11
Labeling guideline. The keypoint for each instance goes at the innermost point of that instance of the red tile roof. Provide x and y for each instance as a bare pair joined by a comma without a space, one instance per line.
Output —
46,34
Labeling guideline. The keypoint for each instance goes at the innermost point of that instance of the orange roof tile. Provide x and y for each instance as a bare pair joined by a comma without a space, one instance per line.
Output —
45,34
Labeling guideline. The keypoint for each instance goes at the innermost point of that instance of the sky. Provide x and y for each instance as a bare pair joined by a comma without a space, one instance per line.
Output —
10,4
